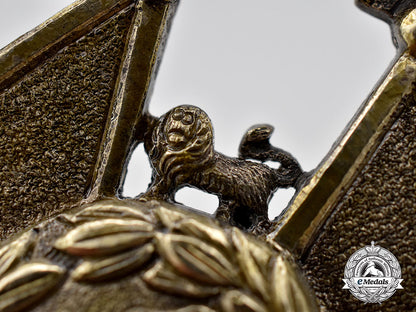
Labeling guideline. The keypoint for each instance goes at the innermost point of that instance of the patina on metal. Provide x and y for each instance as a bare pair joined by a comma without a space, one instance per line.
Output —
74,95
180,146
125,255
364,190
71,93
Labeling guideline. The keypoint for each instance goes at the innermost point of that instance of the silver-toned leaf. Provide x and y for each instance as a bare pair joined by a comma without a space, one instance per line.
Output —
288,288
253,261
12,252
27,284
105,237
109,210
234,301
114,266
196,259
163,277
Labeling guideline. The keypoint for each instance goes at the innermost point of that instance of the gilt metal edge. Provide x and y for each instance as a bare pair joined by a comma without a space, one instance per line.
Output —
313,204
132,94
71,23
76,21
141,58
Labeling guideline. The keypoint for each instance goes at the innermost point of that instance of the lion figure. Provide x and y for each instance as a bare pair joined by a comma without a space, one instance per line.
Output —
180,147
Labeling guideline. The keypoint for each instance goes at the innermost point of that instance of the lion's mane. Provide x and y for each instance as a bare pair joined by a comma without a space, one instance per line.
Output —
173,160
181,150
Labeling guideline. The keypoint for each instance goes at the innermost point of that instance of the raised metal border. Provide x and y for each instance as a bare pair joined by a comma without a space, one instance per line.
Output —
314,203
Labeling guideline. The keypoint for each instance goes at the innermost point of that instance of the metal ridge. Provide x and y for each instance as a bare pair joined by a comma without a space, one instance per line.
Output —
37,45
315,202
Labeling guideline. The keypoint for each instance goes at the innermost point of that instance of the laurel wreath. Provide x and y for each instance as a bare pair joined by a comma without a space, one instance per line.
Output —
177,252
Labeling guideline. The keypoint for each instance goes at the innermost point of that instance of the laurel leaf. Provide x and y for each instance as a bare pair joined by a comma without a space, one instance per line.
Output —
27,284
115,266
207,232
253,261
108,210
170,217
105,237
234,301
196,259
11,253
289,292
162,276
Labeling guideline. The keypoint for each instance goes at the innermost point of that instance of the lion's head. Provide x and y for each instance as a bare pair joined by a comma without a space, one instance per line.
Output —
182,140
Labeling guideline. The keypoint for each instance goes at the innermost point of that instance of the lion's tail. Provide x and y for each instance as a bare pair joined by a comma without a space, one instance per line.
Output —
256,145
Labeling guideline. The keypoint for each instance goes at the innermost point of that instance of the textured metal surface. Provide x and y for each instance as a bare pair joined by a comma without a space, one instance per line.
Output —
75,108
124,255
379,206
365,188
67,26
143,54
51,124
314,203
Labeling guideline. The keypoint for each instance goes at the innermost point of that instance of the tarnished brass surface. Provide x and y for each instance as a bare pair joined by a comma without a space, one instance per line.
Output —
74,95
65,87
180,146
130,256
52,121
315,202
124,129
379,206
36,46
364,190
